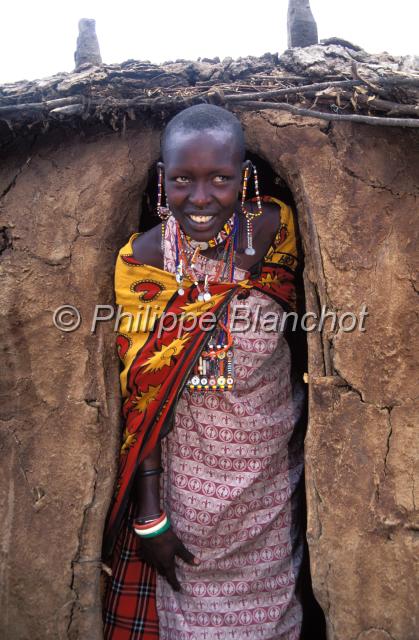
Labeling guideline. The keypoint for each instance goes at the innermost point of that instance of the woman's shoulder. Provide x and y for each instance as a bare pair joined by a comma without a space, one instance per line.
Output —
283,248
275,213
146,247
276,208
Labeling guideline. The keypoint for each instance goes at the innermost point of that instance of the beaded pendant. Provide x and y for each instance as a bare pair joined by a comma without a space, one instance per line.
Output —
214,370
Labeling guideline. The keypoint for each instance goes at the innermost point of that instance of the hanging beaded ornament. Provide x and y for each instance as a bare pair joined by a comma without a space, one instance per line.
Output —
249,215
163,211
214,369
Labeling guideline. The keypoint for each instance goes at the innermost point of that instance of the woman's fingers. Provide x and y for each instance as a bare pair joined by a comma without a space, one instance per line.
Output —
161,552
161,569
186,555
171,578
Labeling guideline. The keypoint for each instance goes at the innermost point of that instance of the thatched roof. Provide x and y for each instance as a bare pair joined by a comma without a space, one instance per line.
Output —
334,80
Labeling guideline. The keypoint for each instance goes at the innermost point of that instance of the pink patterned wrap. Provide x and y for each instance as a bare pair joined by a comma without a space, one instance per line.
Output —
233,464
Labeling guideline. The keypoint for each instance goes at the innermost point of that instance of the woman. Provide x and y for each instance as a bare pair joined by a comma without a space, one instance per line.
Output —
211,462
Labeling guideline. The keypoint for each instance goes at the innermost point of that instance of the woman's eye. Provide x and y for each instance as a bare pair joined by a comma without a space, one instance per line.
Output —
219,179
181,179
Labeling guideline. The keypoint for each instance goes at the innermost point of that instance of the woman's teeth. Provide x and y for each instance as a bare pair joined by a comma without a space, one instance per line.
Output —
201,218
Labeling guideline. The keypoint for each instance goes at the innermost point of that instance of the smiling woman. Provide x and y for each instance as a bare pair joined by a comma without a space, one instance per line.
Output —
209,486
202,172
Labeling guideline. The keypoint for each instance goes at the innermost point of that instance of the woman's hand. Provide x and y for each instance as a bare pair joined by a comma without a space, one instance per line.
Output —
161,552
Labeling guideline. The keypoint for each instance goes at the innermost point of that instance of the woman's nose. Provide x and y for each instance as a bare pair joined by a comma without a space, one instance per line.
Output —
200,195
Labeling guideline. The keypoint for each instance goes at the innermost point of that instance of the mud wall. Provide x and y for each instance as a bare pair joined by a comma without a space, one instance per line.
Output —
72,200
356,189
69,202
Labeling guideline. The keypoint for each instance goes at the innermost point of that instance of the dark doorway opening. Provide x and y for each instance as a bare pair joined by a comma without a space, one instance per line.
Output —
270,183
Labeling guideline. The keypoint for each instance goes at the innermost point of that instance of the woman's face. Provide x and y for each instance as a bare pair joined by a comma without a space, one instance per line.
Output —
202,171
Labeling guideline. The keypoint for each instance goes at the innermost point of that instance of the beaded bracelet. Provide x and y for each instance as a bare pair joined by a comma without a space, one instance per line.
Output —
151,472
147,519
153,528
150,521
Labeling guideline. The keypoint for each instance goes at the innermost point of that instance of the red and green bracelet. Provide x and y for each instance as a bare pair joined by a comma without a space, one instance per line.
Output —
153,528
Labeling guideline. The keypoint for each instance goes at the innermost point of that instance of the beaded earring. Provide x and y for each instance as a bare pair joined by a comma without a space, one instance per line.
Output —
163,211
248,214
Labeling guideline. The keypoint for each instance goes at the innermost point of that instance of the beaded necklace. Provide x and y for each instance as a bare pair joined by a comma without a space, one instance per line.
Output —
218,239
214,368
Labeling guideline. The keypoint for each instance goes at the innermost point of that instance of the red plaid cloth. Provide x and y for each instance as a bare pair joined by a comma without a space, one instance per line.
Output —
130,602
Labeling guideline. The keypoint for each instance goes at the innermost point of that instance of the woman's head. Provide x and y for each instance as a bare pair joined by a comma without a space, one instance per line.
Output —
203,160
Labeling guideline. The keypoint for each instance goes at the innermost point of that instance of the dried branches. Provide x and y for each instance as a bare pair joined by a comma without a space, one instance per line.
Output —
299,111
347,92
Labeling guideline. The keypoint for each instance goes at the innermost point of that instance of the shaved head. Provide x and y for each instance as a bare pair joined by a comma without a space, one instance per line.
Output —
208,118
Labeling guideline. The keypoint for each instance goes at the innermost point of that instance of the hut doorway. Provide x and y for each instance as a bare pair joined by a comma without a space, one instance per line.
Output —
271,183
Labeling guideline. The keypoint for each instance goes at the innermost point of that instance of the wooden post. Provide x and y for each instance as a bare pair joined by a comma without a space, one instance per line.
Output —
87,51
302,27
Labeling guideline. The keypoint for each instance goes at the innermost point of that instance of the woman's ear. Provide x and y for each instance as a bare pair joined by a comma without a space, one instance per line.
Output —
247,164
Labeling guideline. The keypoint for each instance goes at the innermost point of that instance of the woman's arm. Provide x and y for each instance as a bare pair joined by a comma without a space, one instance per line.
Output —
147,247
161,550
147,488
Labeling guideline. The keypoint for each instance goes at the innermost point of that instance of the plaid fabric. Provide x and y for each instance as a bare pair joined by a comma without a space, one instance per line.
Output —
130,602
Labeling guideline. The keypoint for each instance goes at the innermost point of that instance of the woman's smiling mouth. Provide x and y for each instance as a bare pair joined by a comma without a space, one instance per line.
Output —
200,218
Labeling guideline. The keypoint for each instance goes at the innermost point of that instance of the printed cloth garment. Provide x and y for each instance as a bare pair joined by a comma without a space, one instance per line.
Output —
231,489
156,366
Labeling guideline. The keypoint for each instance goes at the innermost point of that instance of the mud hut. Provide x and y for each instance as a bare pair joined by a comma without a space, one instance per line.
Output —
336,130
